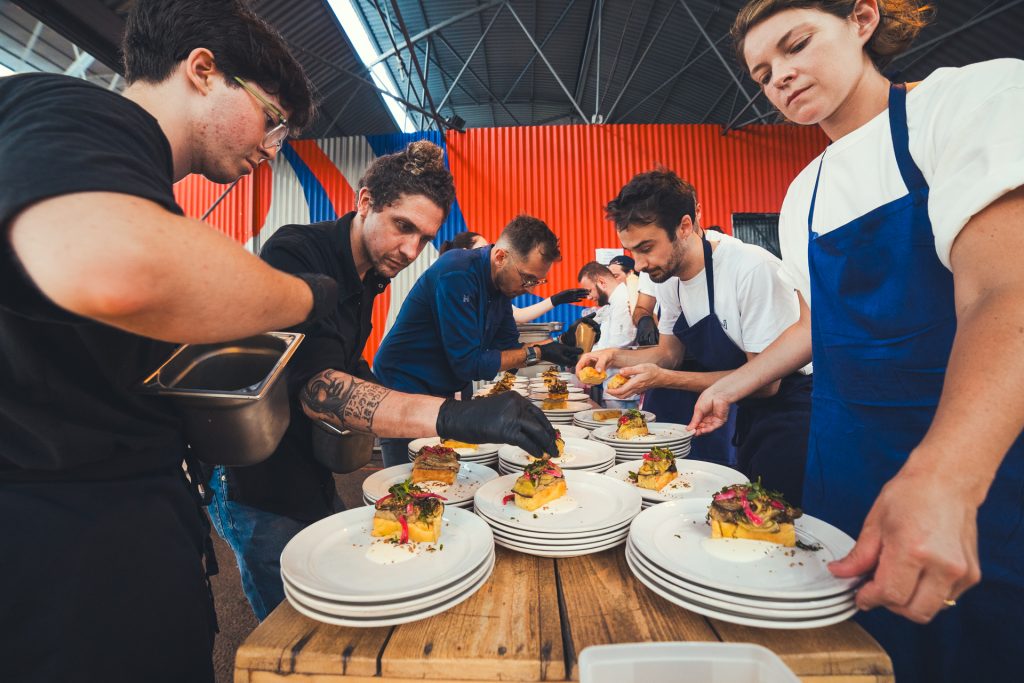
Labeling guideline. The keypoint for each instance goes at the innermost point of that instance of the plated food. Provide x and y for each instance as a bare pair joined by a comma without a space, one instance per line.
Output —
436,463
554,404
507,381
752,512
606,415
617,381
590,375
542,481
632,425
452,443
408,514
657,471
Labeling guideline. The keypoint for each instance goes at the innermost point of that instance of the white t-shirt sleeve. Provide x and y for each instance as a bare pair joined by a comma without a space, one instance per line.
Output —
667,295
793,237
767,306
972,144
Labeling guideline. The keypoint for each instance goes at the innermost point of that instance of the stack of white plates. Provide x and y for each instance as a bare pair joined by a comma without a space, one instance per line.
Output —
570,431
483,454
519,381
460,494
486,388
581,455
538,395
695,479
752,583
335,572
585,419
594,515
675,437
563,416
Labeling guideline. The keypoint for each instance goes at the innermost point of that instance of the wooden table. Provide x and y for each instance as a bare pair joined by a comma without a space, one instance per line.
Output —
528,623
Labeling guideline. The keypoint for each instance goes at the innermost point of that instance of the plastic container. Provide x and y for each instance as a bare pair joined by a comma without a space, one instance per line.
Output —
682,663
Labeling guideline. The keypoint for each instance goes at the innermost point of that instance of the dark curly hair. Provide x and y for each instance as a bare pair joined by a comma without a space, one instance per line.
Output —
898,25
417,169
525,233
658,197
463,240
159,34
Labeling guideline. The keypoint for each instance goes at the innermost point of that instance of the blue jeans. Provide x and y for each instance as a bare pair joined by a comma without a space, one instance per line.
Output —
257,538
395,451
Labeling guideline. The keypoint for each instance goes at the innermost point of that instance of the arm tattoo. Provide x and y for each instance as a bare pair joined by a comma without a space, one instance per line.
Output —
343,400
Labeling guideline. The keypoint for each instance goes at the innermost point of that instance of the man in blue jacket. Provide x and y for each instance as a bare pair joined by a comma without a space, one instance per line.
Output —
456,325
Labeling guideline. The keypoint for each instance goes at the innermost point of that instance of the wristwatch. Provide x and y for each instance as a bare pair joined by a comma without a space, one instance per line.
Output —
532,357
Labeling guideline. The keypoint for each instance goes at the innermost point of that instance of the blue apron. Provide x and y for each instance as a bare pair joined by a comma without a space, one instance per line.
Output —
771,433
883,322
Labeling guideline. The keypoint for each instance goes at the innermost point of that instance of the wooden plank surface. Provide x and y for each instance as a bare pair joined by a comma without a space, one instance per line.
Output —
288,642
843,649
604,604
509,630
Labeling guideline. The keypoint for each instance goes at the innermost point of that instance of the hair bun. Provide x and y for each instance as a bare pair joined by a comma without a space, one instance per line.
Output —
422,156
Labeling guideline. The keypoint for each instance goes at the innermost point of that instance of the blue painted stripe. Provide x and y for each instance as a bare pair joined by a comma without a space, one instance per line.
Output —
320,207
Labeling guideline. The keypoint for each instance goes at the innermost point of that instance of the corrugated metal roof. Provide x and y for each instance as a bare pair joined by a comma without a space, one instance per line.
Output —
643,45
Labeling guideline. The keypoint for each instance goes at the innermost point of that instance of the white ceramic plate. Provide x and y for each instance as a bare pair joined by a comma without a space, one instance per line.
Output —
661,433
509,469
578,454
515,532
467,505
543,395
593,502
588,416
559,552
332,558
394,607
480,450
370,622
484,390
489,459
707,594
572,432
567,412
471,477
676,537
735,617
696,479
551,543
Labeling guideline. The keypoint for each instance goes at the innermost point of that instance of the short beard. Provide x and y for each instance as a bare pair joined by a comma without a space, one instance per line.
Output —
602,298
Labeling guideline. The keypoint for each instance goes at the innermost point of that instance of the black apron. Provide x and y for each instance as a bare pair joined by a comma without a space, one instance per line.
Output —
771,433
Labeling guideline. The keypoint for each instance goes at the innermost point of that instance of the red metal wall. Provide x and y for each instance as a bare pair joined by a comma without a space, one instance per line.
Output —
566,174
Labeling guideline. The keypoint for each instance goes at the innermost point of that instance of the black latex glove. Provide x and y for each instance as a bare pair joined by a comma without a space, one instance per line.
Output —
560,354
569,336
569,296
647,331
505,418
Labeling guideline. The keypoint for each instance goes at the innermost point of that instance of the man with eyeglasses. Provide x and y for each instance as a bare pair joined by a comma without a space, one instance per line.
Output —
100,275
457,325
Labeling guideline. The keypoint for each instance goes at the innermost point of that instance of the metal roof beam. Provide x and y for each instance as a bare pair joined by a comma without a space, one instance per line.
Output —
728,126
386,20
472,54
533,57
546,62
437,27
581,73
673,77
636,68
416,62
721,58
483,84
977,19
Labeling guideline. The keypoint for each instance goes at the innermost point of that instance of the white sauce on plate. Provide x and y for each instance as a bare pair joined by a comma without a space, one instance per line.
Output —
385,552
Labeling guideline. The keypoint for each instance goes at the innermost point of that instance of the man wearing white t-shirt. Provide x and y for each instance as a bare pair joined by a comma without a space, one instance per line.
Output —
722,303
614,317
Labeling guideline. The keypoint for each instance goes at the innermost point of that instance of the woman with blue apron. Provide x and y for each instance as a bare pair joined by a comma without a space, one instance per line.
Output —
880,359
771,433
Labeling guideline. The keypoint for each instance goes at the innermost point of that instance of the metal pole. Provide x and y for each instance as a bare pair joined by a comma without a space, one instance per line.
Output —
581,73
726,127
434,29
386,20
220,199
416,61
718,54
636,67
533,57
476,47
546,62
490,93
671,78
597,76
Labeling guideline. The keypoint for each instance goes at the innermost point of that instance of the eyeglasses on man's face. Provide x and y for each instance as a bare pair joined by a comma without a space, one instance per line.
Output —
277,125
529,281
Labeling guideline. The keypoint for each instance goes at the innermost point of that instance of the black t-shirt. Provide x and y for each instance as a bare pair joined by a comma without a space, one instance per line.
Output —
67,405
291,482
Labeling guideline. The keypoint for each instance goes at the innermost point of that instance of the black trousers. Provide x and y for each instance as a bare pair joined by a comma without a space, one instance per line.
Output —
104,581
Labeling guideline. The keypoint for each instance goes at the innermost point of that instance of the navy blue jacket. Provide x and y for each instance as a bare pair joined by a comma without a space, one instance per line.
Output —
451,330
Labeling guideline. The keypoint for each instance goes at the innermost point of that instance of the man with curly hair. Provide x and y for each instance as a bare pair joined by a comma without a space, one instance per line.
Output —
403,199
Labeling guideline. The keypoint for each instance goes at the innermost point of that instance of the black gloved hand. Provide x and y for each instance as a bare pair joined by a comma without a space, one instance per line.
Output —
505,418
568,296
647,331
569,336
560,354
